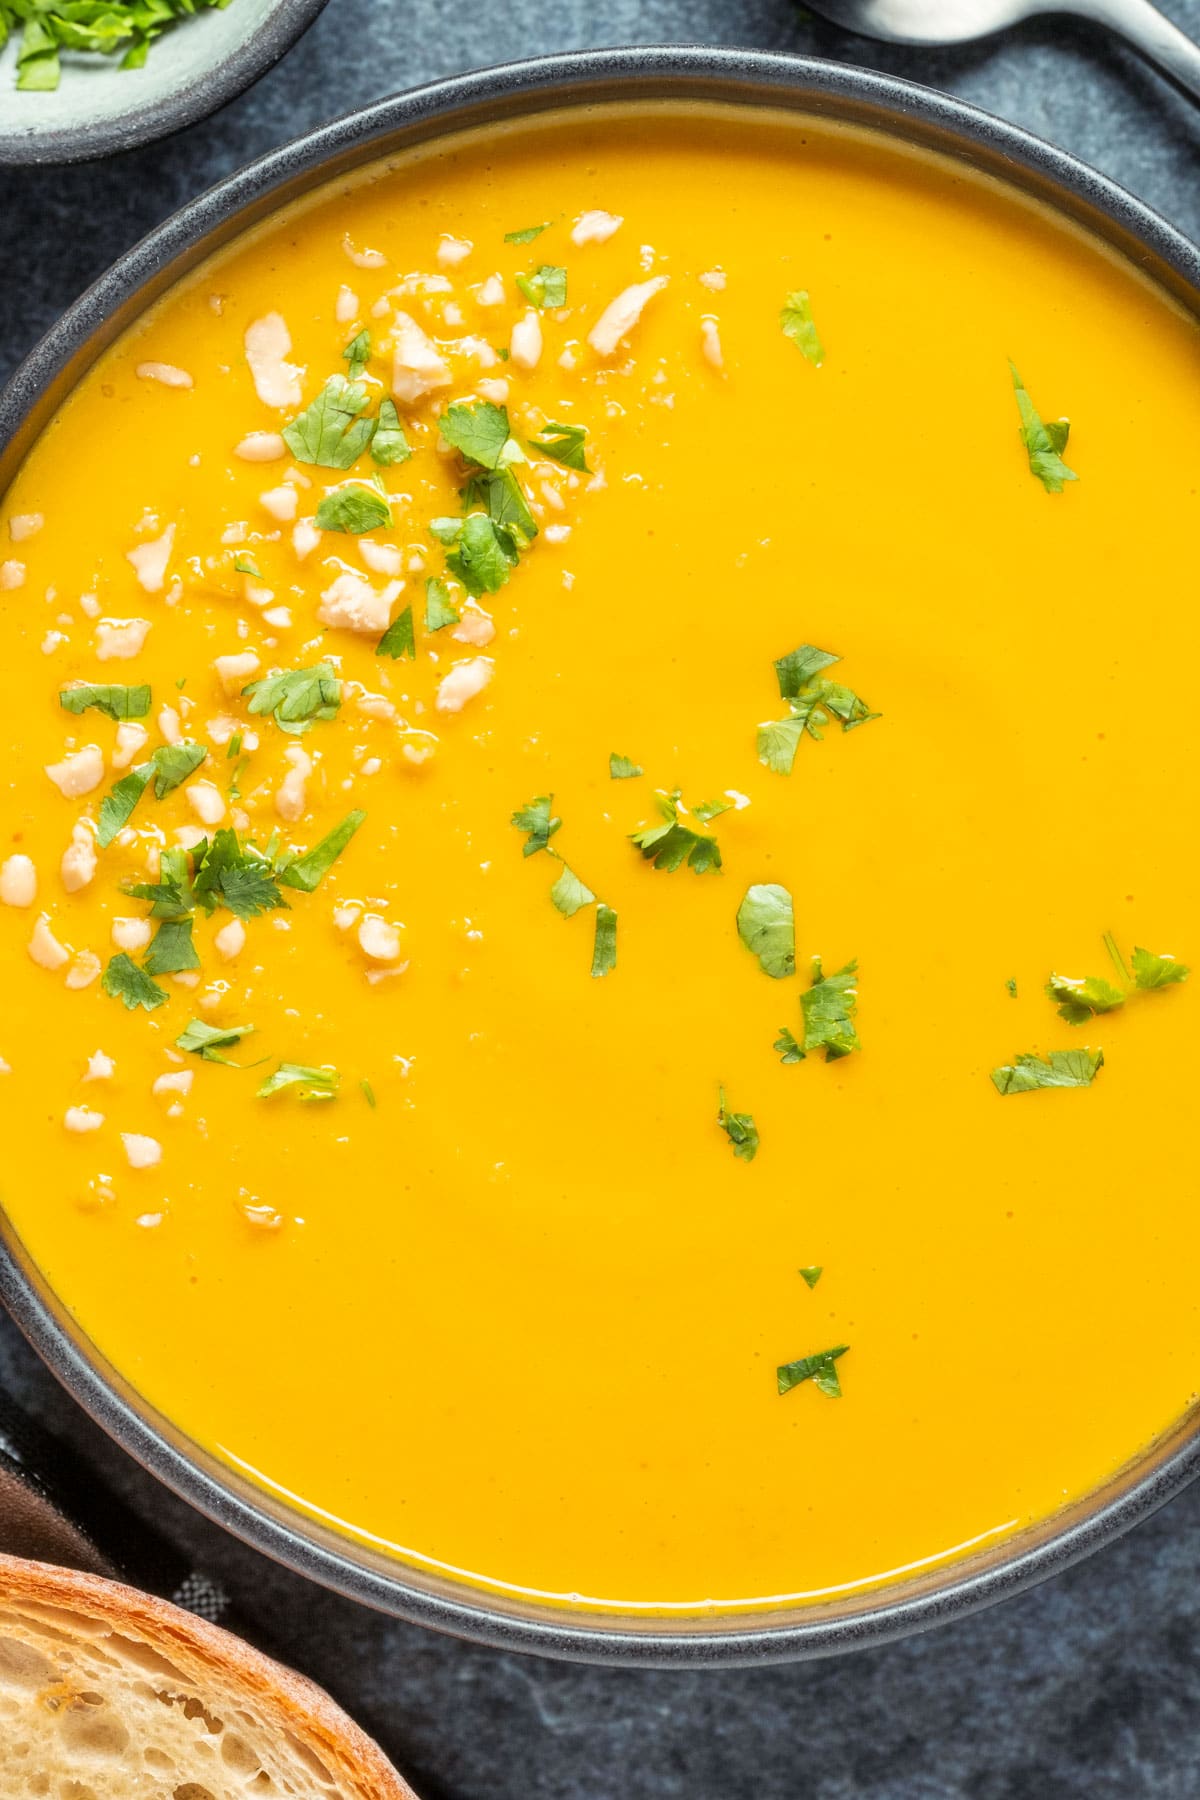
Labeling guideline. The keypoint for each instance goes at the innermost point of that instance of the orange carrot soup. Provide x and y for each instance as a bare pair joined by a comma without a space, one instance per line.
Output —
598,859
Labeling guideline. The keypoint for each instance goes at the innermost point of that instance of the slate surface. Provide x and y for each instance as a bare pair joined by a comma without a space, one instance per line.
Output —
1086,1689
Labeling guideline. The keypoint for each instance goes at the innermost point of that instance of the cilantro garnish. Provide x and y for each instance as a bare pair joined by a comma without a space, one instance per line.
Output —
767,927
172,949
170,765
479,431
535,818
354,509
1150,971
569,894
820,1369
1011,985
1044,441
329,432
796,322
1084,997
308,871
546,287
237,876
368,1093
400,638
673,843
114,701
604,949
124,981
357,355
438,611
740,1129
563,444
828,1007
484,555
244,564
207,1040
813,700
499,491
621,769
1061,1069
127,27
389,445
526,235
812,1274
296,698
313,1084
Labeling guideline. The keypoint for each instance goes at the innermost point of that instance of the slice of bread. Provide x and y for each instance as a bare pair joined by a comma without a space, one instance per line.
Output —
108,1694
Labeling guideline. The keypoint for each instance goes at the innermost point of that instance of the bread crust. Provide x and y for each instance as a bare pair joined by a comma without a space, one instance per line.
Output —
209,1657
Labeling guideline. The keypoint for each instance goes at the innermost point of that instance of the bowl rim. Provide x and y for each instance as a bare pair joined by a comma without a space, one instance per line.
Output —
834,92
203,93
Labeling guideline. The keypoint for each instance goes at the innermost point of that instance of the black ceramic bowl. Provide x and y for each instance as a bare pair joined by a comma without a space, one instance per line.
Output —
899,111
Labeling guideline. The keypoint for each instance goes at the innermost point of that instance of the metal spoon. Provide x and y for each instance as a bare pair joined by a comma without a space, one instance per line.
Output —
954,21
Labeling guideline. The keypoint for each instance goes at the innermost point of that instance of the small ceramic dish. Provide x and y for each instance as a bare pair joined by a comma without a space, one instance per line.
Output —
99,108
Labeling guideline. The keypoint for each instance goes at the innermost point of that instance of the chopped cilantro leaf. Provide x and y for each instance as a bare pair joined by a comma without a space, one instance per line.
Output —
708,810
1011,985
526,235
329,431
484,556
438,611
829,1007
546,287
740,1129
1044,441
400,638
309,870
116,808
812,1274
767,927
1081,999
446,531
479,431
313,1084
1061,1069
813,700
796,322
1150,971
789,1046
354,509
245,564
357,354
172,950
207,1040
820,1369
621,769
500,492
171,894
368,1093
671,844
389,445
535,818
604,950
563,444
569,894
296,698
234,875
124,981
113,701
172,764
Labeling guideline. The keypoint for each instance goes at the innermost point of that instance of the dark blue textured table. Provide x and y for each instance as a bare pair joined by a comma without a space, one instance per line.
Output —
1086,1689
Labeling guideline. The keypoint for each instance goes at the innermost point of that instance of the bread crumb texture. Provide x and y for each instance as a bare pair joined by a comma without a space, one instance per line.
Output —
108,1694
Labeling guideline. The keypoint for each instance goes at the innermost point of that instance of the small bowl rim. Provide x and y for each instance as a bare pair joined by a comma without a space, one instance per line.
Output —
199,96
813,87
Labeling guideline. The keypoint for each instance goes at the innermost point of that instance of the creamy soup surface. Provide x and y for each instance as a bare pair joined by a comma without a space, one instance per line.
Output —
687,1193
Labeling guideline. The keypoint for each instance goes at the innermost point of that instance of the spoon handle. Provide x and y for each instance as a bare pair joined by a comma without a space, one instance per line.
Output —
1151,33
